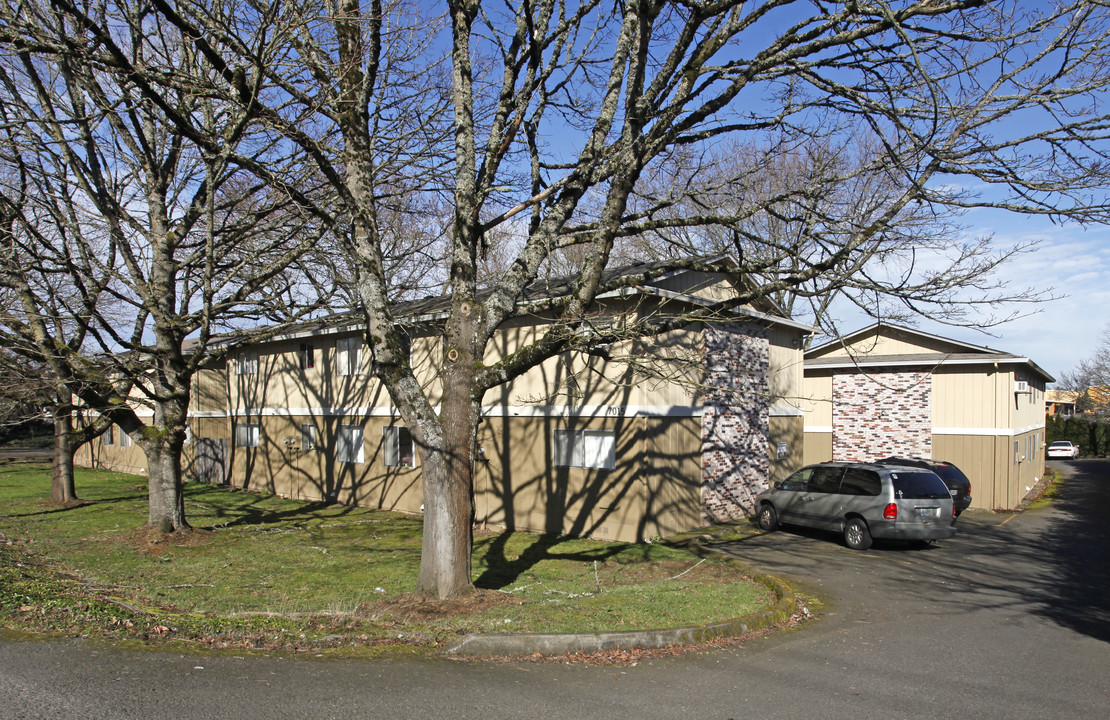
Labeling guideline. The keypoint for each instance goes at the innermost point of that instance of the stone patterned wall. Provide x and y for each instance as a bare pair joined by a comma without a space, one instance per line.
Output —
735,444
877,414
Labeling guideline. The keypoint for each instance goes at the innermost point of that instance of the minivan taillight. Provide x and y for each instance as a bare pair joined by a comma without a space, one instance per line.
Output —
890,512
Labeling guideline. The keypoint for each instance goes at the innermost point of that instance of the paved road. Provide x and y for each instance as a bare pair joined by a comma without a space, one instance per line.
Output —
1007,620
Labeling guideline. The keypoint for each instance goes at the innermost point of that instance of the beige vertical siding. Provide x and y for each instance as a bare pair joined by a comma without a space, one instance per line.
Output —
971,397
891,342
653,490
818,447
817,399
791,431
786,368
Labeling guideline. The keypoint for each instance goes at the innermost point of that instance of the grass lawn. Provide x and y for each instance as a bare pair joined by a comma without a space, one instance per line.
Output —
267,573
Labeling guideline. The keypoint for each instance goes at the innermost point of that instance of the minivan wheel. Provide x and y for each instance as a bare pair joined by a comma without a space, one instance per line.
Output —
856,534
768,518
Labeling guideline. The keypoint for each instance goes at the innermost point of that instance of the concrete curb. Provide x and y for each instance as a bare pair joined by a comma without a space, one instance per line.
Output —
560,643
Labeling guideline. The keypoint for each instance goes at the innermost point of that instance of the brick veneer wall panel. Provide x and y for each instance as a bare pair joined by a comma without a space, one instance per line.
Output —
735,428
877,414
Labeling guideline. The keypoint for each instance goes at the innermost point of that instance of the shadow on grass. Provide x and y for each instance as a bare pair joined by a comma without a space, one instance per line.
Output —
501,571
248,509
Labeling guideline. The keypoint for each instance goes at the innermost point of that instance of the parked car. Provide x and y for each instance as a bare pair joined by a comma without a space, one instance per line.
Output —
959,486
1063,449
862,501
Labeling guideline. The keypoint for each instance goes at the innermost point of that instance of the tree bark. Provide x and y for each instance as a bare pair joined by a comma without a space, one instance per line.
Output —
448,478
166,496
62,487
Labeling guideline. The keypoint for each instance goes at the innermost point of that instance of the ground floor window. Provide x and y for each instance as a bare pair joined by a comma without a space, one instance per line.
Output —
124,439
349,444
585,448
308,438
246,434
397,446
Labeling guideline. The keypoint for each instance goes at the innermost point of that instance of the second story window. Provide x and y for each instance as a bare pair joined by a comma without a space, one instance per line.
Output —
348,356
247,363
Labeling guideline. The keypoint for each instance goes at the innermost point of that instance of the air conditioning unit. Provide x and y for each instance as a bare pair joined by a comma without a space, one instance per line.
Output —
1021,386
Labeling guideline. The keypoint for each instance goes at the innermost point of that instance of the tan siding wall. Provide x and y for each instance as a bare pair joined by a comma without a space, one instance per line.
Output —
284,469
817,391
997,482
790,431
209,391
818,447
713,286
653,490
969,397
785,361
99,454
892,342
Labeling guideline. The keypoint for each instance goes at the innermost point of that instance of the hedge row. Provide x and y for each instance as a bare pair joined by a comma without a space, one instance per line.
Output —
1093,438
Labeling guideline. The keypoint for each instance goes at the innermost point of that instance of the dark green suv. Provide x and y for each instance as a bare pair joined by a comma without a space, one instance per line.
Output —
958,484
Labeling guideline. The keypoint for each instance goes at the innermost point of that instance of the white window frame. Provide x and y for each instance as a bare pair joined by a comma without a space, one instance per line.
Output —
124,439
308,438
350,444
247,435
247,363
589,449
393,447
348,356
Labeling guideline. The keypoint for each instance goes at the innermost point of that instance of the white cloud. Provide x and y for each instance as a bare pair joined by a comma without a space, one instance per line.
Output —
1071,262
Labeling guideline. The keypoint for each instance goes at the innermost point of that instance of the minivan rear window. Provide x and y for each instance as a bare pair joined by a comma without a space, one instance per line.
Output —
918,485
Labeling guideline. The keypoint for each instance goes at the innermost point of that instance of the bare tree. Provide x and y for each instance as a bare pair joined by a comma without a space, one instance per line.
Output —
544,121
812,197
123,240
1091,378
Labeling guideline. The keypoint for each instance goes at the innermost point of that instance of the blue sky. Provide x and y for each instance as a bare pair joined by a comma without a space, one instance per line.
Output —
1072,261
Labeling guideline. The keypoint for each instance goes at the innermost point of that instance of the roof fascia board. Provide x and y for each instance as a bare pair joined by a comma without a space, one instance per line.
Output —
850,337
861,363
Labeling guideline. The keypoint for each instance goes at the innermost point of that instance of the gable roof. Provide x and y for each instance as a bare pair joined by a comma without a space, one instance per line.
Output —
433,308
944,351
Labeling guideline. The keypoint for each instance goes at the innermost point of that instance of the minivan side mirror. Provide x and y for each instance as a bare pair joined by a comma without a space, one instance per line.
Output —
778,485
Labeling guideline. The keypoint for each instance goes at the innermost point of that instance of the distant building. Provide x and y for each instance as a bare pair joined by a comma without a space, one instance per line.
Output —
1060,403
890,390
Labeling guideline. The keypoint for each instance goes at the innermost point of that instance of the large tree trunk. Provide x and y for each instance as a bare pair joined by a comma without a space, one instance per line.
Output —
445,552
448,477
62,487
166,496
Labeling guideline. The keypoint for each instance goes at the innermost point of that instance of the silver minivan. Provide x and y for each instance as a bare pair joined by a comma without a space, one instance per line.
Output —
862,501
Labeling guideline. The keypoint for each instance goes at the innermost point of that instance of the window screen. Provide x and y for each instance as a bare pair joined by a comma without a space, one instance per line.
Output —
246,435
585,448
348,356
350,446
397,450
308,438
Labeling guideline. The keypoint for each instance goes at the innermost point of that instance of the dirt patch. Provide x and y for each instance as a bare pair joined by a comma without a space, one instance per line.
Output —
148,541
411,607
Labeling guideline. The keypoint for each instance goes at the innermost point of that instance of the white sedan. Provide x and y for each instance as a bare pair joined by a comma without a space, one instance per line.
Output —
1063,449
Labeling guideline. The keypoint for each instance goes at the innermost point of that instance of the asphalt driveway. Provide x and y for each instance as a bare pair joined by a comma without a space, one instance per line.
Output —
1009,619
